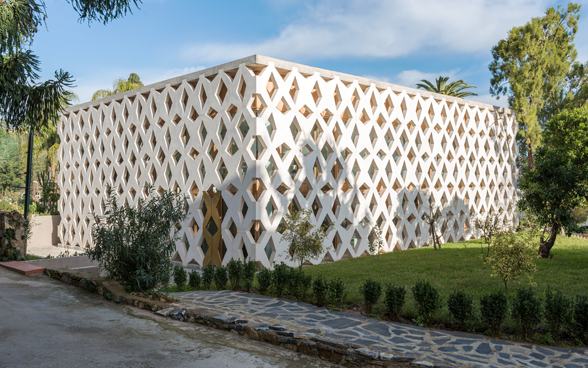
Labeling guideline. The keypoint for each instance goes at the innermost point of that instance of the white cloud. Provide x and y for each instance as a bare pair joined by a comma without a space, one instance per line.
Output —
382,29
502,102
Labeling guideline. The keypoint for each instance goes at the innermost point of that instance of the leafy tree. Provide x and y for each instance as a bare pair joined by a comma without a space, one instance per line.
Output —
530,67
571,94
11,165
455,88
551,191
118,86
305,241
489,225
568,131
430,218
376,242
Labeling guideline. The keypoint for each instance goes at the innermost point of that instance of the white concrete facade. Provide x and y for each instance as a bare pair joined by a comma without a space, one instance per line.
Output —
355,151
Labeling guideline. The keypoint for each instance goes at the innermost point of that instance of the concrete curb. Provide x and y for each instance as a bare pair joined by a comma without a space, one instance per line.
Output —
331,350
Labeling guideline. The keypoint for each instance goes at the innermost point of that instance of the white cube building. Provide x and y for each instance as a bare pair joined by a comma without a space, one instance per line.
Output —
247,140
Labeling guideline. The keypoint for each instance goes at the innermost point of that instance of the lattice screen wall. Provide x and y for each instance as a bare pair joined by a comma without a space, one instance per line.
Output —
354,152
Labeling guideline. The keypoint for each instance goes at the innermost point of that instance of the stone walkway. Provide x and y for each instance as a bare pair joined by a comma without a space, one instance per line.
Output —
442,348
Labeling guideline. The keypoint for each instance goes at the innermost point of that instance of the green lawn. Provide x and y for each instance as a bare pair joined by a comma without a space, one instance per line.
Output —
459,266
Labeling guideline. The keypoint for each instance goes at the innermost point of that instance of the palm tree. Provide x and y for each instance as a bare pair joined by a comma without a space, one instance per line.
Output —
120,85
455,89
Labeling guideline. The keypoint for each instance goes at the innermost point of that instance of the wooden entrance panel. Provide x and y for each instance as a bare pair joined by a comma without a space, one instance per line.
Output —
211,229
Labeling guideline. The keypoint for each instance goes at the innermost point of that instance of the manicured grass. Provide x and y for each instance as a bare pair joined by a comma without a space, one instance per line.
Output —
459,266
32,258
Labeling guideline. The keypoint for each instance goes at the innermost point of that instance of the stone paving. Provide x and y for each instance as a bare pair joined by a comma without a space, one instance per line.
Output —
442,348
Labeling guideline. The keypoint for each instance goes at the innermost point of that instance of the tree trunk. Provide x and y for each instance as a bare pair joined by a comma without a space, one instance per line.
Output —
545,246
530,153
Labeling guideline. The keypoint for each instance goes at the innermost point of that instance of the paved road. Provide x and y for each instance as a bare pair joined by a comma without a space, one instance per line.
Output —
45,323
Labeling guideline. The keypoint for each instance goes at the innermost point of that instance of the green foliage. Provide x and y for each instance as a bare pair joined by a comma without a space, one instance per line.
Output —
305,242
530,65
208,273
134,78
581,317
248,275
427,299
567,132
371,291
455,88
337,291
118,86
264,280
526,310
195,279
180,277
550,191
376,242
5,205
280,279
558,311
235,269
221,278
394,299
494,308
512,255
320,290
305,284
294,280
461,307
49,194
135,244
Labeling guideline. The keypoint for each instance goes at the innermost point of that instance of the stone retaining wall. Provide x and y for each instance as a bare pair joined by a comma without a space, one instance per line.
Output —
343,353
12,235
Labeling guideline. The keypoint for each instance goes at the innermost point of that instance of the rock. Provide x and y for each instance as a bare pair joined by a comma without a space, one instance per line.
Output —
262,328
278,328
422,363
164,312
367,353
178,314
386,356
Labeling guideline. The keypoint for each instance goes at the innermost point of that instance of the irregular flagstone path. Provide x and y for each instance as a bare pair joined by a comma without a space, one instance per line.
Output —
443,348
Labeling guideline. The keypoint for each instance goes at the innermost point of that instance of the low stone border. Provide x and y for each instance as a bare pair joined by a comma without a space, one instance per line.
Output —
343,353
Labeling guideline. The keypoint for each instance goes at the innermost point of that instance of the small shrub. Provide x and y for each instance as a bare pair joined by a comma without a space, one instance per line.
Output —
371,291
221,278
248,275
427,299
526,310
208,276
264,280
305,241
394,299
558,312
305,284
546,339
494,307
294,278
581,317
235,269
280,279
461,307
320,289
336,291
180,277
195,279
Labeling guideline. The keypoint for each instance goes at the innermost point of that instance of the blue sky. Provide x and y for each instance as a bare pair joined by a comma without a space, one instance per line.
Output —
395,41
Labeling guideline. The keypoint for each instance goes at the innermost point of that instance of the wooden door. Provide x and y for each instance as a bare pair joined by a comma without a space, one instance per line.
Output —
211,229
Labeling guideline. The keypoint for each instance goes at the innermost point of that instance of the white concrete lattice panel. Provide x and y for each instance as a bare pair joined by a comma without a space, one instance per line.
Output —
357,152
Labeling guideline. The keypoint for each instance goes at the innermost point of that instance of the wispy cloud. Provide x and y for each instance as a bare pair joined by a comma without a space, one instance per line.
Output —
381,29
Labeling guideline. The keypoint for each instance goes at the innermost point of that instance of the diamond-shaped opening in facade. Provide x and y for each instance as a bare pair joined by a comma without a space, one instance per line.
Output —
346,116
355,205
160,122
176,119
212,151
336,206
271,209
153,175
305,111
270,250
355,136
294,168
185,136
336,241
222,91
243,128
271,167
203,96
283,150
355,170
316,207
256,189
161,156
119,130
305,189
177,156
346,186
168,138
364,117
256,230
327,188
326,115
355,241
364,222
270,126
222,131
211,113
381,187
232,190
403,172
283,106
337,170
242,88
222,170
364,190
293,89
306,150
243,168
295,129
316,93
168,174
233,229
316,132
257,147
257,105
271,86
326,151
355,99
283,188
316,169
193,114
126,176
364,153
232,111
202,171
